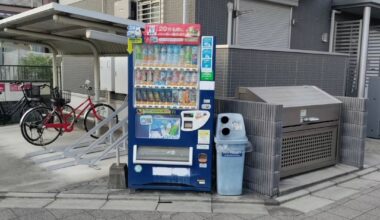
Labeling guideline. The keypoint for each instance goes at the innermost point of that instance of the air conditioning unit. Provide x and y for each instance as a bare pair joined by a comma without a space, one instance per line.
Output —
125,9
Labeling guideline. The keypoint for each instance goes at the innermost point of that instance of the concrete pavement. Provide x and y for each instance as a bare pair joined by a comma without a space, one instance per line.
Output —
358,198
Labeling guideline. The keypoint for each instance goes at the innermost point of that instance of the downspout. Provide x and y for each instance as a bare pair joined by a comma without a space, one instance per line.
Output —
364,51
332,30
230,8
185,16
70,40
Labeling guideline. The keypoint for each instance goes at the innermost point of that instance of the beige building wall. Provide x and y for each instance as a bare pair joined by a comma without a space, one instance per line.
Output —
173,9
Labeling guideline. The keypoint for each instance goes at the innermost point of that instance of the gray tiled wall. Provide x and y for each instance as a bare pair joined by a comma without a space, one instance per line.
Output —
264,130
252,67
353,131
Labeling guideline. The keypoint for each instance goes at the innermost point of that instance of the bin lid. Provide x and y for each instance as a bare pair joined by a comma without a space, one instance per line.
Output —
288,96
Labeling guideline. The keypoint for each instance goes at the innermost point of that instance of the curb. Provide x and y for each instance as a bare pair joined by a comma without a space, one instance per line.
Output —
326,184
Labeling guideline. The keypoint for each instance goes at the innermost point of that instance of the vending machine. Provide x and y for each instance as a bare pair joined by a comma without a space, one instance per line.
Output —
171,109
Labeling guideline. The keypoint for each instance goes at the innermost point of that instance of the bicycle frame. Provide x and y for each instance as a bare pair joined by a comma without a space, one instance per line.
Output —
69,126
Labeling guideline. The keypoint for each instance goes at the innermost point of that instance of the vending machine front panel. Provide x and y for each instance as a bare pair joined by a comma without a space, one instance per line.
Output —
171,109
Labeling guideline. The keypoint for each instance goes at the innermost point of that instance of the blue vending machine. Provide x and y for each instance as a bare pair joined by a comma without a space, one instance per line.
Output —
171,109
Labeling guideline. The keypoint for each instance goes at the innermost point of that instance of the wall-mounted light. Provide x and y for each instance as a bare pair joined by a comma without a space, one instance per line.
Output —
325,37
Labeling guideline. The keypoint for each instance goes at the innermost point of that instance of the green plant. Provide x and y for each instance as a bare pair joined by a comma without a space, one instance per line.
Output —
36,67
36,60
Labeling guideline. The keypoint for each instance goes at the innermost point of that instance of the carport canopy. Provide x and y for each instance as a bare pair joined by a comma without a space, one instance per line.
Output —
67,30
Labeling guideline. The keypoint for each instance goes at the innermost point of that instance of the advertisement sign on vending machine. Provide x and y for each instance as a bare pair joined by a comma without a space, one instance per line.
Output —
171,109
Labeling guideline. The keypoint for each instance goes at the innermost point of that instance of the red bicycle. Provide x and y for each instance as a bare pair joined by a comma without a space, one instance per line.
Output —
42,125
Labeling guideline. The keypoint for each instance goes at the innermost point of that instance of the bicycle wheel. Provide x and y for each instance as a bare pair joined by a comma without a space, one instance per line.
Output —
34,126
68,114
31,105
97,114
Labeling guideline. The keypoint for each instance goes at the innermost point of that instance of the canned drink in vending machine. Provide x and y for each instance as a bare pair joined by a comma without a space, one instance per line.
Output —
149,77
163,99
138,77
157,98
181,80
185,97
180,97
175,78
143,77
163,78
187,78
193,97
169,77
169,98
175,97
194,79
138,96
144,96
150,99
156,77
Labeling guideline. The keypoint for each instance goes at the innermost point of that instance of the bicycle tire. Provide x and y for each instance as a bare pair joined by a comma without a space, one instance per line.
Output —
39,114
89,123
30,105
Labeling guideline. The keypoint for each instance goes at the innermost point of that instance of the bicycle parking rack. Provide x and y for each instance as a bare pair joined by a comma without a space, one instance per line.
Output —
88,151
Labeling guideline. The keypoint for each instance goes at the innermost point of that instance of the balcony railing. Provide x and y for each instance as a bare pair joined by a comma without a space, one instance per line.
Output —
11,73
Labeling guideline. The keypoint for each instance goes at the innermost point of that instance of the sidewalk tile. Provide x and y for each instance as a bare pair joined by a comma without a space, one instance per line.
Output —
367,217
367,171
76,204
63,213
194,198
6,214
368,198
375,176
189,215
320,186
139,205
335,193
24,203
375,193
106,214
179,206
345,178
81,196
292,196
41,215
359,184
151,215
375,212
345,212
81,216
253,209
359,205
307,203
30,195
325,216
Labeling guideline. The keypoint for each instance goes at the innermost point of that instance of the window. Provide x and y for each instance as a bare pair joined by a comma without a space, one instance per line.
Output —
149,11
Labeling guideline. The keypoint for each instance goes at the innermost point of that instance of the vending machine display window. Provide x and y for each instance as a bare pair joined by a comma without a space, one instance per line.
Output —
166,76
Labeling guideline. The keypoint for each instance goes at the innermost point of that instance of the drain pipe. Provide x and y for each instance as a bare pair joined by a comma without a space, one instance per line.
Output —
185,17
230,7
332,30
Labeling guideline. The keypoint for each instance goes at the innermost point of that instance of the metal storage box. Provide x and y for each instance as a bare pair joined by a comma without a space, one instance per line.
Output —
311,121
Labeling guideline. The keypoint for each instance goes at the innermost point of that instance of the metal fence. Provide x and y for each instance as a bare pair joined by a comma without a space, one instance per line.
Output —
11,73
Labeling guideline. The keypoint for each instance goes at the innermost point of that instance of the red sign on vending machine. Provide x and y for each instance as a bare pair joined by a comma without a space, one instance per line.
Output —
185,34
2,87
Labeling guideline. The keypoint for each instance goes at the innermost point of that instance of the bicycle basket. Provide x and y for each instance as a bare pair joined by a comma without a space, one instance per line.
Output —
61,97
33,92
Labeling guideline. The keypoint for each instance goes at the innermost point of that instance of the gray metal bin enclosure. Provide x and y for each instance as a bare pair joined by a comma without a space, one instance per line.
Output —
311,121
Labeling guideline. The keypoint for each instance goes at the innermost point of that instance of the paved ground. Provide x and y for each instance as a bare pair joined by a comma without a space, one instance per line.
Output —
358,198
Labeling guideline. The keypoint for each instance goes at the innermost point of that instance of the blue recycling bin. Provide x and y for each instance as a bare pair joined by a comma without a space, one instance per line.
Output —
231,145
